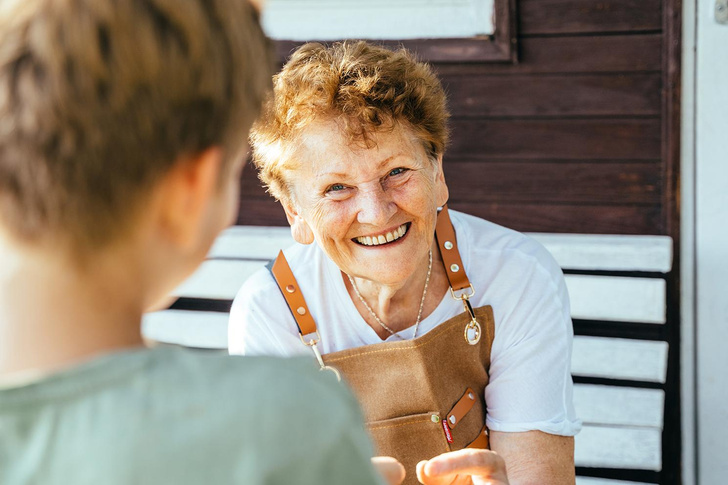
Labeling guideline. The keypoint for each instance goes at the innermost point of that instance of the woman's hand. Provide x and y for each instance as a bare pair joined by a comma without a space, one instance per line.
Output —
463,467
390,469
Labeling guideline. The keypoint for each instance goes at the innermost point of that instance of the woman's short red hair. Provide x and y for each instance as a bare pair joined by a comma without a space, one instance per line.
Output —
366,88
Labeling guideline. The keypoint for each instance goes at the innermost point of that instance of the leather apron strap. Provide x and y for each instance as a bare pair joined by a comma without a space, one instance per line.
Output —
293,295
445,235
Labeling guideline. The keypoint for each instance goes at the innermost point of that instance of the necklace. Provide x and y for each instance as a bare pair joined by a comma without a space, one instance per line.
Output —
374,315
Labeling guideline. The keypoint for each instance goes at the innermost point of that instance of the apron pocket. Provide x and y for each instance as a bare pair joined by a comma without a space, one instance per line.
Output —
409,439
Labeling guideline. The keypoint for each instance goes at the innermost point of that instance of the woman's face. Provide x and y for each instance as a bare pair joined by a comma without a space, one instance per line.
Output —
372,210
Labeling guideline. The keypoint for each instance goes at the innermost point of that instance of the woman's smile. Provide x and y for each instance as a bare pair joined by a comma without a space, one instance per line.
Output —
385,238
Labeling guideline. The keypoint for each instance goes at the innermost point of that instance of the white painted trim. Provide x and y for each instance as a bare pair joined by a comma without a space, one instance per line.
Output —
688,393
711,244
306,20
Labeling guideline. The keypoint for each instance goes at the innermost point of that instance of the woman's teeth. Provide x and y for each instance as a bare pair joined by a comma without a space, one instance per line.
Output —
382,239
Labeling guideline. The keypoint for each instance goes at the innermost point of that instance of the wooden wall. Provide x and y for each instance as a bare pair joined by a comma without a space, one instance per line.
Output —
570,139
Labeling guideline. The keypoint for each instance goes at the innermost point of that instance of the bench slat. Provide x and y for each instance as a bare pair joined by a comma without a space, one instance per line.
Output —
621,406
619,447
572,251
615,358
592,297
617,298
592,357
604,481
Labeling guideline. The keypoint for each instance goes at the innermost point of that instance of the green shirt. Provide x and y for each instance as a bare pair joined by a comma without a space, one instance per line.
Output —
178,416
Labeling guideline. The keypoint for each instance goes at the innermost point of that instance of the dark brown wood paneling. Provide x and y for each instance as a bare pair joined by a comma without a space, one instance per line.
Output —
585,219
261,212
579,139
588,16
557,95
555,182
574,54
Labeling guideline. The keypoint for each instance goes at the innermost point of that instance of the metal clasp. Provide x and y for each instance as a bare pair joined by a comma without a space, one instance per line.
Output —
313,344
472,329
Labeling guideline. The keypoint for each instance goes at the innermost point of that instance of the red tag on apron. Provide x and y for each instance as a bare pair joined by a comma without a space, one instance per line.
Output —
448,433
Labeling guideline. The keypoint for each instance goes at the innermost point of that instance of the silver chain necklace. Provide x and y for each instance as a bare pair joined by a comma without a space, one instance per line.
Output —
374,315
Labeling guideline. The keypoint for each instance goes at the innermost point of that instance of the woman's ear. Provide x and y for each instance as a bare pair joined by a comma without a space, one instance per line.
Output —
443,194
300,230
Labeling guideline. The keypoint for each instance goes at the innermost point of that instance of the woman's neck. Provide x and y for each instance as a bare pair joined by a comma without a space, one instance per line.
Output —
397,305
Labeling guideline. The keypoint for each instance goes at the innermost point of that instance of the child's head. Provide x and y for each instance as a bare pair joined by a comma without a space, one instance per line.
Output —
100,99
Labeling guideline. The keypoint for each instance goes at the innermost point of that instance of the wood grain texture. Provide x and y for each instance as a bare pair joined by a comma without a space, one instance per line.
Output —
588,16
585,219
573,54
554,182
609,139
557,95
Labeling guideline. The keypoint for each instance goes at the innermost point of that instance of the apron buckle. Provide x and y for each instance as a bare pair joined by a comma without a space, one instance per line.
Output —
313,344
472,329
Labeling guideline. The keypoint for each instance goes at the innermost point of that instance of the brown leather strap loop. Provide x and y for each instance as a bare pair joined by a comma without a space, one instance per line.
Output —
481,442
293,295
461,408
445,235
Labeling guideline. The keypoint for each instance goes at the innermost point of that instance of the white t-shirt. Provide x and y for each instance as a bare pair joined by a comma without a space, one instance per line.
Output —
530,386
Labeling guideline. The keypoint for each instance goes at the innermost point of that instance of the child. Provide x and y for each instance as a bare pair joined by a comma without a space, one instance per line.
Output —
122,136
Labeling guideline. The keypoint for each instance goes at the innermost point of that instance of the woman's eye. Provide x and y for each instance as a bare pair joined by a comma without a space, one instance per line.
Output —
397,171
335,188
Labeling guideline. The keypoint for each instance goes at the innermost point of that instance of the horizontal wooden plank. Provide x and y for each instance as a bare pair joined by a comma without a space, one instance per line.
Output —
562,139
251,242
217,279
573,54
615,358
619,406
547,182
615,298
604,481
592,297
571,251
205,330
554,95
588,16
534,217
619,447
609,253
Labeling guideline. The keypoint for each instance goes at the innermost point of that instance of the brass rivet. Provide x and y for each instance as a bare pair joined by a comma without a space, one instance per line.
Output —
301,311
454,268
471,396
435,418
448,245
290,289
453,419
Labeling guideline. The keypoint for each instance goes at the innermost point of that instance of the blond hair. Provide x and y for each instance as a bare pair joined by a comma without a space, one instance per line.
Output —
366,88
99,98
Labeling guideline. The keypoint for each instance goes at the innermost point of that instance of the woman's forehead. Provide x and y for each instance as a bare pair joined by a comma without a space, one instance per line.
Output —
327,143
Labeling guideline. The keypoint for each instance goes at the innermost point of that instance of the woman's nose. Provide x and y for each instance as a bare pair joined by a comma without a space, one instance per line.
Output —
375,206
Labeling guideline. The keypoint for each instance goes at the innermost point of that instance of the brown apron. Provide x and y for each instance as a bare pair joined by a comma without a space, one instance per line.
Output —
420,397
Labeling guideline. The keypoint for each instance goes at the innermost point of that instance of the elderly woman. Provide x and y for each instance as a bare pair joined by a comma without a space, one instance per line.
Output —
453,332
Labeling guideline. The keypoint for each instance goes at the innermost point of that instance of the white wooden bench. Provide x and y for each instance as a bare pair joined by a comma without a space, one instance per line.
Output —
612,280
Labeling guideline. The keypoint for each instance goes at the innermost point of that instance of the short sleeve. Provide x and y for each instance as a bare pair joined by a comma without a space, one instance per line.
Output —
530,386
260,322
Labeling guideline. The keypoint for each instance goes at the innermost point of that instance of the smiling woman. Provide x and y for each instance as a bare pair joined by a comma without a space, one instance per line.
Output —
438,320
